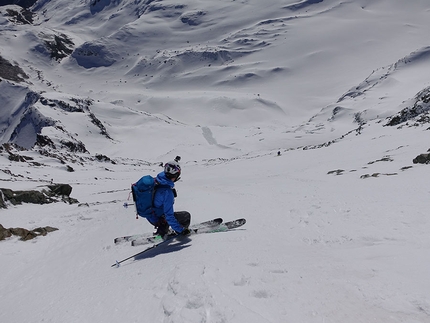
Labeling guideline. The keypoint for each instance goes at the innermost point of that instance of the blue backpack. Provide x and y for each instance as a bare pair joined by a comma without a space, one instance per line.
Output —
143,195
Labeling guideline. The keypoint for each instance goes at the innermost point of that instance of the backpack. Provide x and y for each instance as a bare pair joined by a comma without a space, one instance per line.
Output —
143,195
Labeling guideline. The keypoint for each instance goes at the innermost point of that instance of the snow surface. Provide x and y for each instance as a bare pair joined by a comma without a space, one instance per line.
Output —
335,232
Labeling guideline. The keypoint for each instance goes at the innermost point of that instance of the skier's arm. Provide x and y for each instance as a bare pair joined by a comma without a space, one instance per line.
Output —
169,212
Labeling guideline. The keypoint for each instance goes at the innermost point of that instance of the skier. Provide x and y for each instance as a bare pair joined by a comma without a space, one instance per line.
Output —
165,215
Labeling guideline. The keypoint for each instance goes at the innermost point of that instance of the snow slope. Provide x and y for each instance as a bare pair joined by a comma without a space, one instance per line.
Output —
337,225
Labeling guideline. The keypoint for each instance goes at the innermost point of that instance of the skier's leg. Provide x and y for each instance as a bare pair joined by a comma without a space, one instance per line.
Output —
160,223
184,218
162,227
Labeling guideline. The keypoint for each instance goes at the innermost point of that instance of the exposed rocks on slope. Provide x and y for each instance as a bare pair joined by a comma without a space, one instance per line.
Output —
20,17
11,72
24,233
21,3
418,113
50,194
422,159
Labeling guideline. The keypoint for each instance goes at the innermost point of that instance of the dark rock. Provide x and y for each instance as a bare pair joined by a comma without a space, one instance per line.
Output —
44,231
337,172
60,189
43,141
104,158
2,201
53,193
4,233
19,158
60,46
22,3
19,197
25,234
77,146
422,159
420,108
11,72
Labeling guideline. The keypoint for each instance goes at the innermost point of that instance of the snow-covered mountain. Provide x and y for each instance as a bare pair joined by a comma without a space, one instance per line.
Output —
96,94
225,61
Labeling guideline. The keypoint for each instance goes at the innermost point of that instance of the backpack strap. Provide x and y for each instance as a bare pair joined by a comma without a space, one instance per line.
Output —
158,186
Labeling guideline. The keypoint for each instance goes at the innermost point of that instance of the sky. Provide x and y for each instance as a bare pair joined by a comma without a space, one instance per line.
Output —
337,225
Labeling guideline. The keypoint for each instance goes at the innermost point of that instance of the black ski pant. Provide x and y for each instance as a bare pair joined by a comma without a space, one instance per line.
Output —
184,218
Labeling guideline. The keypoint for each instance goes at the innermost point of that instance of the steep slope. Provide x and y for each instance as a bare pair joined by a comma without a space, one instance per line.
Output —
337,223
317,246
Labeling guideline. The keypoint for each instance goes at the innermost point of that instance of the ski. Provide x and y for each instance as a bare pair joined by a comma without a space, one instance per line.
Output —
148,235
220,227
213,227
207,225
226,226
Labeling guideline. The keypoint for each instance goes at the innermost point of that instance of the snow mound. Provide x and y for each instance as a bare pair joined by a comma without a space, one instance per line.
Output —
94,54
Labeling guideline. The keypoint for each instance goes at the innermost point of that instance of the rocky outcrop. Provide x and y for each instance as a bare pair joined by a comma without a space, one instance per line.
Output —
22,3
24,234
11,72
422,159
50,194
418,111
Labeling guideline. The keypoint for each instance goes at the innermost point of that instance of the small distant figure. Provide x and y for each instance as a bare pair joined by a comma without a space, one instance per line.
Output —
177,159
279,153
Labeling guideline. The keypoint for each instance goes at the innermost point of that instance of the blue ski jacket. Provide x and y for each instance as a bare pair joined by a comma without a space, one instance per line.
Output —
163,202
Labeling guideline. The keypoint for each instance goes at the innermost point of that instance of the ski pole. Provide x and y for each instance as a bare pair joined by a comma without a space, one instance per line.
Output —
126,205
147,249
118,262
